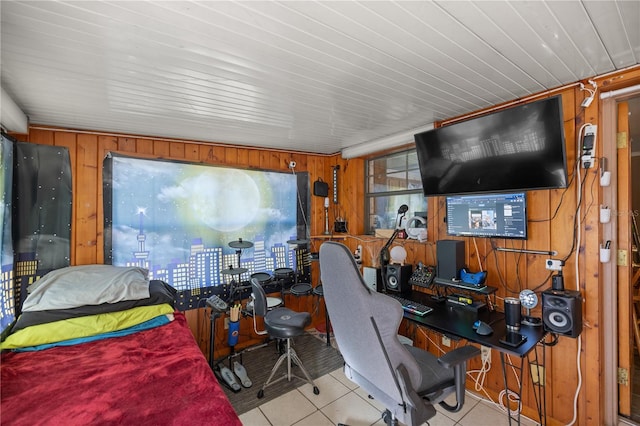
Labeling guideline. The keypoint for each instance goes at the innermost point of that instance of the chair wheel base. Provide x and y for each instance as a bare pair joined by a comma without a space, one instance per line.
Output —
316,391
260,393
388,418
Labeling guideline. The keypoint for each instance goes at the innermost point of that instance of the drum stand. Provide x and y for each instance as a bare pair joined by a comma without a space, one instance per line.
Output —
299,289
239,245
221,371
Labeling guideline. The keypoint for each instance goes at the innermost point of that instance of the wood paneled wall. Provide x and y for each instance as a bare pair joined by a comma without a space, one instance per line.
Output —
87,151
552,215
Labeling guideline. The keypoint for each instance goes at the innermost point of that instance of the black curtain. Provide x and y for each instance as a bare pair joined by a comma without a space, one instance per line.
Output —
42,206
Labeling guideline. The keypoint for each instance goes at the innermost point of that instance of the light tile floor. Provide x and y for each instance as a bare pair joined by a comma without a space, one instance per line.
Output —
342,401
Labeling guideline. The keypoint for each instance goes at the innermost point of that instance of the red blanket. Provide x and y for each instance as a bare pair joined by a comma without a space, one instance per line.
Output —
154,377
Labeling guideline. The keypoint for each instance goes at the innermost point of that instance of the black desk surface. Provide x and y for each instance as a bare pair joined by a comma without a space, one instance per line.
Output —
458,322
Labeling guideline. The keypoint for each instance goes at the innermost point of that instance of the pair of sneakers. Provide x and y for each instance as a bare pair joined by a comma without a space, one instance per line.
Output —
230,378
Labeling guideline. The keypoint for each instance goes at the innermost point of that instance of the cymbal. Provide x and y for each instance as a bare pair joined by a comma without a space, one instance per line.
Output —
240,244
234,271
298,242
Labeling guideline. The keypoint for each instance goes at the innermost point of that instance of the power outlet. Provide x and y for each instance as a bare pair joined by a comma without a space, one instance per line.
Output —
589,146
357,255
226,323
446,341
485,354
554,264
537,374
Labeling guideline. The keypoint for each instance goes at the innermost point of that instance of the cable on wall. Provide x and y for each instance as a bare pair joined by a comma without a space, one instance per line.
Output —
592,93
307,236
475,245
577,271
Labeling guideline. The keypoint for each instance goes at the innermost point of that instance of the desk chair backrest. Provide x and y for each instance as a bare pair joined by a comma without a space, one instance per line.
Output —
365,325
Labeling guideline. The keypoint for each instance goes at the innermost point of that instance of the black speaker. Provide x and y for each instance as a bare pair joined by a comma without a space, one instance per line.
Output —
397,278
320,188
562,312
450,256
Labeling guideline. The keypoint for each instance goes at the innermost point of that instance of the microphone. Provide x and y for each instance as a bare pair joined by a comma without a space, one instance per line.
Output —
385,256
402,211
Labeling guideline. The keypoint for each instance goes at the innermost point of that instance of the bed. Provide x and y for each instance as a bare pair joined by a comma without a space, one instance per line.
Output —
73,358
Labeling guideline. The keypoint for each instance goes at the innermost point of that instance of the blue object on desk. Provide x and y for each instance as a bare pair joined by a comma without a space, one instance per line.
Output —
482,328
477,278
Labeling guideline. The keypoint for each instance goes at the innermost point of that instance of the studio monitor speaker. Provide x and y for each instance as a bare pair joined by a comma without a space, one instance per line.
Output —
562,312
450,256
397,278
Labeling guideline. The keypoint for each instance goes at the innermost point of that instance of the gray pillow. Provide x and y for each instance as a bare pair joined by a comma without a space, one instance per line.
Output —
86,285
159,294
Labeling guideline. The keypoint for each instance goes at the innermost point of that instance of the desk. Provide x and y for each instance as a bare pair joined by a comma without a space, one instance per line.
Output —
458,322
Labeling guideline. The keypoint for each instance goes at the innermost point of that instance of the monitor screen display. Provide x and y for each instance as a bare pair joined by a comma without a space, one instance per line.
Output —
515,149
487,215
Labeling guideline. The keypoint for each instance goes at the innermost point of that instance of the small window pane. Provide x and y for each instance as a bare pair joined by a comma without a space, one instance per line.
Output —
412,161
414,180
397,181
397,162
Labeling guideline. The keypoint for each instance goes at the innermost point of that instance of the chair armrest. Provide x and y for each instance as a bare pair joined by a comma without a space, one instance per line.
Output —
459,355
457,360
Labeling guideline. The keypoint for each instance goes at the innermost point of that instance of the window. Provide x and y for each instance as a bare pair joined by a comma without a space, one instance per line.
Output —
391,181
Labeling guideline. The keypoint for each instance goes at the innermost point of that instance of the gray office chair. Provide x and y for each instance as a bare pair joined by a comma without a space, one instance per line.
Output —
408,381
280,323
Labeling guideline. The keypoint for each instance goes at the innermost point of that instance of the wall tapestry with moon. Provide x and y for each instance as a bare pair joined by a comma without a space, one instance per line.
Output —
204,229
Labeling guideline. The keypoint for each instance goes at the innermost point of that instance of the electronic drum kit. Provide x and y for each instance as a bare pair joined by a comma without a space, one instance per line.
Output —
281,275
239,245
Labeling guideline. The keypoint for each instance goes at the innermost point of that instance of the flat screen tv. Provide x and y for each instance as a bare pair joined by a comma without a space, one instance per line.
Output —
500,215
515,149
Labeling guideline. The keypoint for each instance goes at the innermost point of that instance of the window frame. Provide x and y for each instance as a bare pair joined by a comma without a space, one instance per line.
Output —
407,195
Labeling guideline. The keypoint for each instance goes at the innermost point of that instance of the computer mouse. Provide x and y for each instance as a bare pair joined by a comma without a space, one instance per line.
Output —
482,328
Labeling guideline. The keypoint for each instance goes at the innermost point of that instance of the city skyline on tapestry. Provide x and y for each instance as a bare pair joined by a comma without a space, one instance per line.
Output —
168,216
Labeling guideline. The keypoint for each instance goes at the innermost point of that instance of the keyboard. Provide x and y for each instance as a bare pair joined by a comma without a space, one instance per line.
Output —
412,307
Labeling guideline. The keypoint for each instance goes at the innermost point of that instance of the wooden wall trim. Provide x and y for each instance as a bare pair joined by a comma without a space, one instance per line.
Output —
137,138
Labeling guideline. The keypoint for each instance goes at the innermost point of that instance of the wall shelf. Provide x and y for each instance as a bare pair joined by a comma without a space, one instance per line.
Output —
329,237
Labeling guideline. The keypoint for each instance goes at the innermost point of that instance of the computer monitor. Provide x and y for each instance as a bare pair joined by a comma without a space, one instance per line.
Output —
487,215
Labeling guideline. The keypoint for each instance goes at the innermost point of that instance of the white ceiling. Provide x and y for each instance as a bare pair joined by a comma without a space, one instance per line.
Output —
301,75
